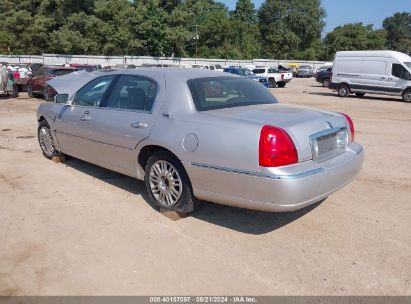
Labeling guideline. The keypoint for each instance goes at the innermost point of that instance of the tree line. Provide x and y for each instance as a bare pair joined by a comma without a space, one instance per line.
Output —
280,29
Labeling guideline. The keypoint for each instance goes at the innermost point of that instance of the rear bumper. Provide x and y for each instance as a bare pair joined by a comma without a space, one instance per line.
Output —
276,189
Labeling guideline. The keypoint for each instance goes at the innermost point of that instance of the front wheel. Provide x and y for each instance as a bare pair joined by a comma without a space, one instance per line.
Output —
343,90
46,94
406,96
167,183
46,140
15,91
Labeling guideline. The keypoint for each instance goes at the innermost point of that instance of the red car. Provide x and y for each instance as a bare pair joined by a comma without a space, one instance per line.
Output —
37,84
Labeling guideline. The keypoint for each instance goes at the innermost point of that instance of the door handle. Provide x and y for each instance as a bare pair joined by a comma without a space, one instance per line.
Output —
85,118
382,78
86,112
137,124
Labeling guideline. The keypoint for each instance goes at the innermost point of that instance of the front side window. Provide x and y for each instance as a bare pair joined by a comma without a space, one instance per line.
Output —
225,92
92,93
133,93
399,71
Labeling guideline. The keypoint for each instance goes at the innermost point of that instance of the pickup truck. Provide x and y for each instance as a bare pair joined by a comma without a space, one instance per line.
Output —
275,76
324,77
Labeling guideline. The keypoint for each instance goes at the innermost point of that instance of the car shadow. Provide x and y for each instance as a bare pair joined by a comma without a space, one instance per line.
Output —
333,94
238,219
248,221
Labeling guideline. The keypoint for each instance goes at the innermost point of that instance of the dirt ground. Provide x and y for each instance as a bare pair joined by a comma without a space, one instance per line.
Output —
77,229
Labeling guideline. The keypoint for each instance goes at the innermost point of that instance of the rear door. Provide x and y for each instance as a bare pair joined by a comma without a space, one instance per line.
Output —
125,119
73,125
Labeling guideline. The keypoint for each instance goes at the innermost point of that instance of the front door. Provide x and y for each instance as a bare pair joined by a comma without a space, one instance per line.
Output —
125,118
74,123
398,80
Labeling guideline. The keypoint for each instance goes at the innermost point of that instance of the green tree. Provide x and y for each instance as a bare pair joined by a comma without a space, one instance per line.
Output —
289,28
398,29
352,37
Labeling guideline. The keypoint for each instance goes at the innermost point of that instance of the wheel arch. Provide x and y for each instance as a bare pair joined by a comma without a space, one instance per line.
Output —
149,150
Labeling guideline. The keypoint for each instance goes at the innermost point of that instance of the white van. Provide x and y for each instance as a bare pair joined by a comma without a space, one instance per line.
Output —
377,72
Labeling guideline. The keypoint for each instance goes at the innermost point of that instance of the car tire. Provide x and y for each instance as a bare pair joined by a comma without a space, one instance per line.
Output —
343,90
359,94
325,82
406,96
30,91
281,84
46,94
15,91
168,185
46,141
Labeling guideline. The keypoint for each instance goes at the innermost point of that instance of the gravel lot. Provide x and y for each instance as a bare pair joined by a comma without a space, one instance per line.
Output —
77,229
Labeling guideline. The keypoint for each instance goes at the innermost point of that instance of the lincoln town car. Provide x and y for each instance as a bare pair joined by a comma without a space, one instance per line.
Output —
195,135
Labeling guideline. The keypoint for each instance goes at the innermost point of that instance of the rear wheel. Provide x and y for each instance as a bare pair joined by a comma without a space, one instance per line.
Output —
167,183
343,90
30,91
406,96
46,140
326,82
359,94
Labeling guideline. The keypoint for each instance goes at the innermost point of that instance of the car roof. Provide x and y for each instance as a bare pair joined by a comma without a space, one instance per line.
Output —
183,74
58,67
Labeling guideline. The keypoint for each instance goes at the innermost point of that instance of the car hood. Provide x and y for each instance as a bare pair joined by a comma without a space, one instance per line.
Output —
299,122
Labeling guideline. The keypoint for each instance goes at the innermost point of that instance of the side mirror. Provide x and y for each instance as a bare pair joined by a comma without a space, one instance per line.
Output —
61,98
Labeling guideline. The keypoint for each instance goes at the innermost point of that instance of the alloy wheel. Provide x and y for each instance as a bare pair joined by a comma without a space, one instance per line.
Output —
165,183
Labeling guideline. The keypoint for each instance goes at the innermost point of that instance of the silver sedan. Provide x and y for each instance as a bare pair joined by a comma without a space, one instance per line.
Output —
196,135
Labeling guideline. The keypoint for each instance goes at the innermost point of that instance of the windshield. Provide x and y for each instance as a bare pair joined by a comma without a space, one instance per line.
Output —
213,93
408,64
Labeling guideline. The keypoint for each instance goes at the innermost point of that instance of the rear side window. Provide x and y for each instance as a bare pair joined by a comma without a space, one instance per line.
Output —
225,92
92,93
399,71
61,72
133,93
259,71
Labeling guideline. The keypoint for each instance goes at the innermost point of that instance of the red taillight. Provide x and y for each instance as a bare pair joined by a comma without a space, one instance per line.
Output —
276,148
16,75
282,76
351,124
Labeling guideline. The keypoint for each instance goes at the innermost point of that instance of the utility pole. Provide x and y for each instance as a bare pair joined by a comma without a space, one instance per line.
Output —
196,37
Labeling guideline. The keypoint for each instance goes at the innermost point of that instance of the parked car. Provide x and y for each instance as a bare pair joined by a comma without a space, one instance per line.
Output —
275,76
324,77
125,66
237,147
8,86
305,71
85,67
21,73
377,72
323,68
37,84
247,73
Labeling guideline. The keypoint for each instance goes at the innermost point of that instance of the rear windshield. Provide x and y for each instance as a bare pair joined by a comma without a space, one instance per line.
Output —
61,72
213,93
